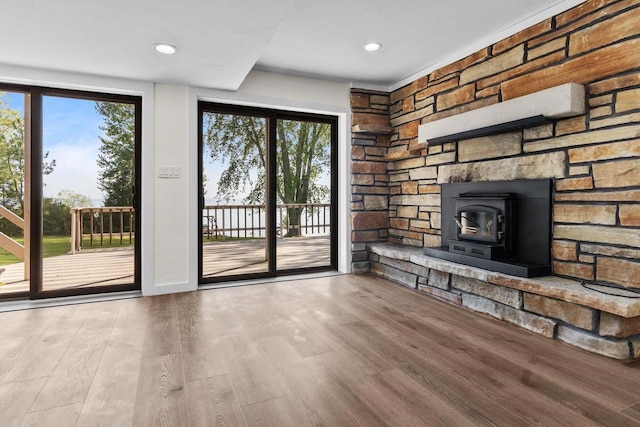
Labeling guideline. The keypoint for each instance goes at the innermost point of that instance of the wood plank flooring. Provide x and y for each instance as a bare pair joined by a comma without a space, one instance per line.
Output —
351,350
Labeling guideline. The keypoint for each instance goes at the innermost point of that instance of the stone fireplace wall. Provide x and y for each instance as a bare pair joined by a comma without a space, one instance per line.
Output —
595,158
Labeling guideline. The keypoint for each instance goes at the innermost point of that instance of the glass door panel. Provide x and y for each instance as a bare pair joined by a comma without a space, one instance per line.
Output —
88,180
303,182
14,193
234,209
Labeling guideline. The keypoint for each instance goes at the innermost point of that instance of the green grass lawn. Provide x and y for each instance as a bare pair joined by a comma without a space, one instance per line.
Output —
60,245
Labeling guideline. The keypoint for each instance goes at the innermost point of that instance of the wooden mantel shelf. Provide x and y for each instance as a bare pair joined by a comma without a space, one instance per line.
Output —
372,129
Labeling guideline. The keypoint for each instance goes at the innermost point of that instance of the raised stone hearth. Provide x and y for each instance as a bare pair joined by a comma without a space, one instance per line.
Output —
551,306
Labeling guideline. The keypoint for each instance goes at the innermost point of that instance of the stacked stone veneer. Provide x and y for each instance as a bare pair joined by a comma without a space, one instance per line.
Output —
594,158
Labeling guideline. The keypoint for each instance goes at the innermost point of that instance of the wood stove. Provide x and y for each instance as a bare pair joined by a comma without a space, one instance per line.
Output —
502,226
484,225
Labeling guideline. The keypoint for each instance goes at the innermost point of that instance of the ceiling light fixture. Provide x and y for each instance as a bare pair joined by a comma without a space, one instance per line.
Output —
372,46
167,49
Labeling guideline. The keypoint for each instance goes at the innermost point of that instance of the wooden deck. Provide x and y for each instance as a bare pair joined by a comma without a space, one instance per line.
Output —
338,351
115,266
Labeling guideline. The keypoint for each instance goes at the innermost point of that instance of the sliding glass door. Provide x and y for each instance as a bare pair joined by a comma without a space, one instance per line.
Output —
80,163
267,193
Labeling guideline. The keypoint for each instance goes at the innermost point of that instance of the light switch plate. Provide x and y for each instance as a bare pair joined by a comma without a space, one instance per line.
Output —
169,172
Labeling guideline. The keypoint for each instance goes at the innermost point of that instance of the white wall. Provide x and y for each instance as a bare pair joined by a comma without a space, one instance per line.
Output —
169,207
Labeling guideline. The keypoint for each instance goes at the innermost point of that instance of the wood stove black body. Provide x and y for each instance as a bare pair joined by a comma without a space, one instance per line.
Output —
502,226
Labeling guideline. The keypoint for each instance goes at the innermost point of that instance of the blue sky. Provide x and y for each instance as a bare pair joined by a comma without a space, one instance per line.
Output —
70,135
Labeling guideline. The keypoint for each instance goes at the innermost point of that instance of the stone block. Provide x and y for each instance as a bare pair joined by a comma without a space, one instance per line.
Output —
369,220
617,174
629,215
585,214
572,184
362,179
615,121
364,236
506,296
436,220
588,259
431,240
531,322
490,147
420,224
409,163
619,271
586,138
600,100
369,167
439,279
360,267
548,165
376,119
410,187
461,95
599,196
398,177
359,257
399,223
579,170
449,297
617,326
605,32
538,132
375,151
572,125
403,92
428,189
617,349
437,88
574,314
407,211
409,130
595,65
597,234
614,84
416,200
423,173
359,100
549,47
572,269
357,152
376,203
460,65
504,61
628,100
406,266
391,273
410,117
605,110
610,251
408,105
380,99
438,159
565,251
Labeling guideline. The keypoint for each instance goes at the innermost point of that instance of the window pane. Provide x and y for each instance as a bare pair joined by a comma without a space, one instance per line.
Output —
303,194
234,219
87,206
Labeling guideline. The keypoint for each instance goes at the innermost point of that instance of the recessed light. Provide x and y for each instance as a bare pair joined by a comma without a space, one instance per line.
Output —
167,49
372,46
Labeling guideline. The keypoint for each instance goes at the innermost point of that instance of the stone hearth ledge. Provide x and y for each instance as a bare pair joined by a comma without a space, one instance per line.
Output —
549,286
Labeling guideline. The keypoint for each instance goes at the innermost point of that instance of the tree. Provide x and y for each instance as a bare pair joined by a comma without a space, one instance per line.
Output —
116,176
12,142
303,156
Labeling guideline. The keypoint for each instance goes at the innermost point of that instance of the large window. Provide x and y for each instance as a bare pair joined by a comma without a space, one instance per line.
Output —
67,203
267,187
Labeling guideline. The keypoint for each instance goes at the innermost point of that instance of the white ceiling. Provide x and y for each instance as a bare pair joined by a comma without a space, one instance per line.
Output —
220,41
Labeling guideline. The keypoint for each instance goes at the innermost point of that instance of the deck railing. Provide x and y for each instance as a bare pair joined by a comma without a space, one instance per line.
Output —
249,221
102,226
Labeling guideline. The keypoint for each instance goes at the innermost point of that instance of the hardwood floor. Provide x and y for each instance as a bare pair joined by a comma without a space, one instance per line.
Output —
337,351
